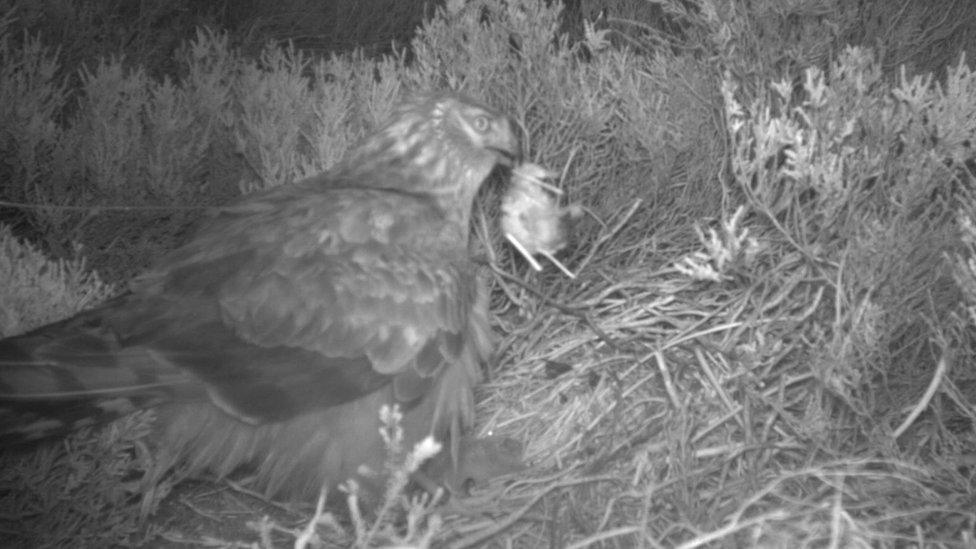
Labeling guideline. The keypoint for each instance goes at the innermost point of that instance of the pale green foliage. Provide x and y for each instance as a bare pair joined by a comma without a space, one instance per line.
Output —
422,525
916,37
323,28
856,179
352,97
108,129
183,120
294,126
818,161
276,97
83,492
775,36
30,98
423,522
134,136
965,264
38,290
726,251
948,110
137,136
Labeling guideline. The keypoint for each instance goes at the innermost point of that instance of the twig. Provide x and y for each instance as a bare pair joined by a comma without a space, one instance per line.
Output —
923,403
309,534
492,532
621,221
552,259
525,253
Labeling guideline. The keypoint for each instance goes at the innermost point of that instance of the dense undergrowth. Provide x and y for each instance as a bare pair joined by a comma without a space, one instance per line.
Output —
770,338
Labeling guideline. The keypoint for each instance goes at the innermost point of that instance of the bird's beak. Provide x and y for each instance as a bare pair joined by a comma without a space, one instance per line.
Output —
509,150
508,158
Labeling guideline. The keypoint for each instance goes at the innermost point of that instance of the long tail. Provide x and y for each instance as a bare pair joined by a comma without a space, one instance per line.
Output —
75,373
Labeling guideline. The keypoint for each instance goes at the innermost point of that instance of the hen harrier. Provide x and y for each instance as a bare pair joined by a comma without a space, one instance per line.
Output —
275,335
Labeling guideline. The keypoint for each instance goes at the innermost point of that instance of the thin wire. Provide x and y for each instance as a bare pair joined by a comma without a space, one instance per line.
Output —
98,207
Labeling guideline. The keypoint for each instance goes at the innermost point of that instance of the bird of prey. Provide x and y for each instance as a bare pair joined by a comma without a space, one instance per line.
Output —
274,336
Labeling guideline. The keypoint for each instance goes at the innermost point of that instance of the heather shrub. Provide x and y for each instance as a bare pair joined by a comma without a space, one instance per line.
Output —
31,98
37,290
864,181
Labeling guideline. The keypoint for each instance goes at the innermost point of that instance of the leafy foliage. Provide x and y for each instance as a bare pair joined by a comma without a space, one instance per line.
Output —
37,290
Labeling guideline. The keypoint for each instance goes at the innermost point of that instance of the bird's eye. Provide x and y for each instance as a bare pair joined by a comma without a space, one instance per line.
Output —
482,123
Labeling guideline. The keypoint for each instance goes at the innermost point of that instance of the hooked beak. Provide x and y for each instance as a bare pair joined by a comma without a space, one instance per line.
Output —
508,158
509,150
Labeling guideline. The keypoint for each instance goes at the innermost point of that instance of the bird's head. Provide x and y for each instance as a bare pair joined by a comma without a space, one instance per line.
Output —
443,144
483,131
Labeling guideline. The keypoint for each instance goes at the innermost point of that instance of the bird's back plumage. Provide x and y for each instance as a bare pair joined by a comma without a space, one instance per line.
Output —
274,336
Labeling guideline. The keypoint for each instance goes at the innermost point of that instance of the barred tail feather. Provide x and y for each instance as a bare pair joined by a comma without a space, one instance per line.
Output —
73,374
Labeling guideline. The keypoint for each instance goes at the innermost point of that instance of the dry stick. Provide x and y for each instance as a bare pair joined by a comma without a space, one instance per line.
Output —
265,527
634,440
552,259
606,535
611,233
525,253
565,309
940,371
309,533
238,487
503,525
954,394
668,383
731,528
601,335
782,230
716,384
569,160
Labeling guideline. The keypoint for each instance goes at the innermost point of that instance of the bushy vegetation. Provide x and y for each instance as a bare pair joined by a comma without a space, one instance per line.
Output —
769,339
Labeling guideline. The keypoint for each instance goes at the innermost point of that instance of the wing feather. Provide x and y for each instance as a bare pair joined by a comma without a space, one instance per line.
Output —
361,290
